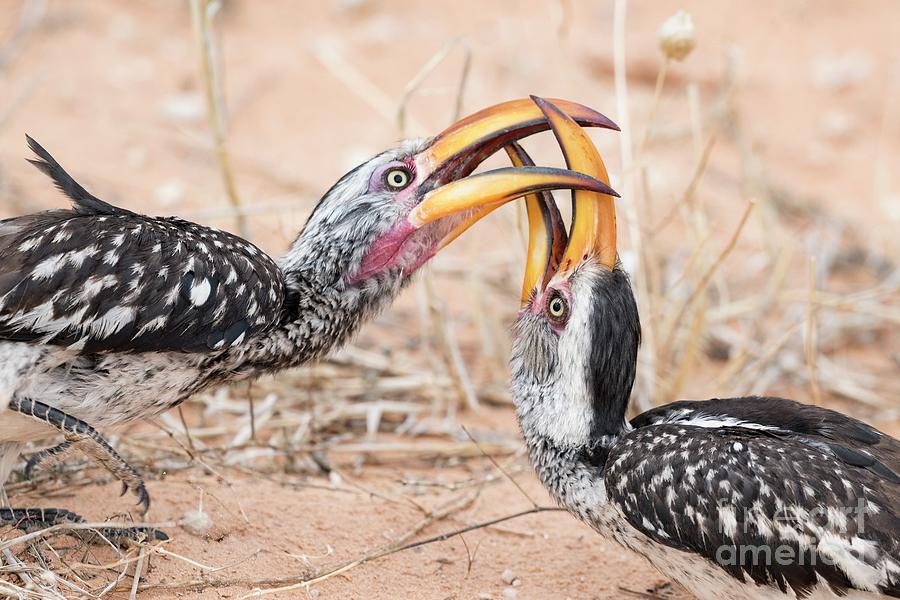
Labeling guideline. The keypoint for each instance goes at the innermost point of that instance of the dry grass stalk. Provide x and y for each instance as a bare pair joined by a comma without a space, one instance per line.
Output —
810,336
654,105
412,87
447,343
330,56
648,372
500,468
688,195
494,346
705,279
202,14
138,571
400,547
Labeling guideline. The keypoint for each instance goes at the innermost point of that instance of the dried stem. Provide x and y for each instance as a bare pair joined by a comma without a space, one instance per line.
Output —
704,281
632,211
654,105
811,334
394,549
427,69
202,13
500,468
138,570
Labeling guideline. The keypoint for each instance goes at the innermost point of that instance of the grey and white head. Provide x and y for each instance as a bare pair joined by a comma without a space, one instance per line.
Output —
577,334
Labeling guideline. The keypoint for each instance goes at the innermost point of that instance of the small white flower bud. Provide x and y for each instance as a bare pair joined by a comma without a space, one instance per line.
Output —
677,36
196,522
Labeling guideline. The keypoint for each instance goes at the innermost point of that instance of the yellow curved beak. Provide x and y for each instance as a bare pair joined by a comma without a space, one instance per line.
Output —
592,234
546,231
448,188
479,135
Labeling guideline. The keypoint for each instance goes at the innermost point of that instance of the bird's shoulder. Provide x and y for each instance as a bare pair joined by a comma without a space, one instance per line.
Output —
718,482
101,278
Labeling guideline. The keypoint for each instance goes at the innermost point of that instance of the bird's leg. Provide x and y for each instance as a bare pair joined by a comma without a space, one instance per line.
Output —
79,435
46,457
86,438
34,519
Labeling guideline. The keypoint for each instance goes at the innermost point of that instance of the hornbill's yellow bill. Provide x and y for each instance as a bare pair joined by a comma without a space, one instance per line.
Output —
479,135
592,234
447,186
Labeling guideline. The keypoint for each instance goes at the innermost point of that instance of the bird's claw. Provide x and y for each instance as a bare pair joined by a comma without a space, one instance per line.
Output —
143,498
106,456
139,490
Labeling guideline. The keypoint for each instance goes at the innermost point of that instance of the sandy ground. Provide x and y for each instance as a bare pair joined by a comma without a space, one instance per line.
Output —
548,555
111,89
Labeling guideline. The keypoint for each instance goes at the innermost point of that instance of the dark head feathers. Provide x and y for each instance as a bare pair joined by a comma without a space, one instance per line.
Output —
84,202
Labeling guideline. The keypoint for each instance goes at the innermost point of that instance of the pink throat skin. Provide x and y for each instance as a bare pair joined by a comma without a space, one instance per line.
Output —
388,248
386,251
420,260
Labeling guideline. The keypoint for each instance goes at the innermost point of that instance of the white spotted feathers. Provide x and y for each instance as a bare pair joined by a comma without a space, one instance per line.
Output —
100,278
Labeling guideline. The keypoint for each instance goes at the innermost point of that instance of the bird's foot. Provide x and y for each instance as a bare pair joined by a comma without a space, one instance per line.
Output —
35,519
84,437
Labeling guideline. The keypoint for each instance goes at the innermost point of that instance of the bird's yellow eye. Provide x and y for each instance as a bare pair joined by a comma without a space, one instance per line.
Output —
397,179
557,308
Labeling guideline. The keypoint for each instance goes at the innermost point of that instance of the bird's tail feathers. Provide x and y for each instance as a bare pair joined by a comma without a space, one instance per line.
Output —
83,201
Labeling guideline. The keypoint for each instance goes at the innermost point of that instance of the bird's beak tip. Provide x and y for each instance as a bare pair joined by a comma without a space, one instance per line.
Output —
591,117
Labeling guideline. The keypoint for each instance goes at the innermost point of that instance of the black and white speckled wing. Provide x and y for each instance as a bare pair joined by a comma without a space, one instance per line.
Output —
100,278
808,422
739,492
851,441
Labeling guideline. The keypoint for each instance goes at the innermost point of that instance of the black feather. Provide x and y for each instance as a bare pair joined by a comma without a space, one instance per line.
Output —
615,324
84,201
853,442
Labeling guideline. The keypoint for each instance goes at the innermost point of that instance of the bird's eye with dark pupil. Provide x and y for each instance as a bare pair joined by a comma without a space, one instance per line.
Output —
397,179
557,308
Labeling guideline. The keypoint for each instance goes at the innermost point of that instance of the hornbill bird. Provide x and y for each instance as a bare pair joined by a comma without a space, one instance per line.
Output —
107,315
738,498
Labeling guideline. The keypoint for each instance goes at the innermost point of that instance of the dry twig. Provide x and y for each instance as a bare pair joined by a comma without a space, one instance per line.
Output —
202,14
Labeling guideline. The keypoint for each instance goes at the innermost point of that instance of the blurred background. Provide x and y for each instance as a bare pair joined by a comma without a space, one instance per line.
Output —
758,166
